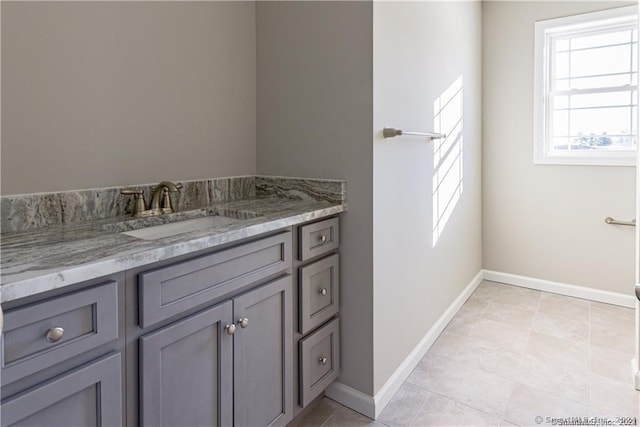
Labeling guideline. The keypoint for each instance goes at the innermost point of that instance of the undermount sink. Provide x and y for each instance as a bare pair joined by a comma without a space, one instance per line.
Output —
180,227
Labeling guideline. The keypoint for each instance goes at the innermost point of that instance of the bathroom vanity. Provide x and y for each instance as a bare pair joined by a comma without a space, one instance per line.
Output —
242,331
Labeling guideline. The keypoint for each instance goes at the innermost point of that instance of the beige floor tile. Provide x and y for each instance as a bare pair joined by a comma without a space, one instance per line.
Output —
483,293
486,290
611,364
526,403
599,413
517,297
617,397
428,371
345,417
404,406
572,355
548,378
489,286
320,413
441,411
507,314
448,344
613,339
501,334
565,307
462,323
475,388
612,316
475,305
562,328
490,358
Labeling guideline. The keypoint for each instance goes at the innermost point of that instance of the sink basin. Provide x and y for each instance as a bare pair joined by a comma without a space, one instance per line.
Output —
180,227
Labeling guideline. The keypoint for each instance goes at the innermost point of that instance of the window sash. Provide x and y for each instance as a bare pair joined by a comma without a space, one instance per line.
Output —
552,38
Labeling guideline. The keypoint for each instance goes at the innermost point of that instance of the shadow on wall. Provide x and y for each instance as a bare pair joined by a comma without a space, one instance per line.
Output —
447,156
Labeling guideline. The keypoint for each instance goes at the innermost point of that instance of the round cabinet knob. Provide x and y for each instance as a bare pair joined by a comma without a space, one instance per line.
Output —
244,322
323,360
54,334
323,291
231,329
323,238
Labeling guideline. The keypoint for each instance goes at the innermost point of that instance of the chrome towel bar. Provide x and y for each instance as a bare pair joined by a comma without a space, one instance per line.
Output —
391,132
610,220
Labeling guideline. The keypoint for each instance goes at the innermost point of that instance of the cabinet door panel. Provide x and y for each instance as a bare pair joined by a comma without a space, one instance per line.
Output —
186,372
263,356
87,396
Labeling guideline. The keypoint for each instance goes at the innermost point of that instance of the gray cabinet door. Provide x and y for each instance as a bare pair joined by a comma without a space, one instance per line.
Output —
263,383
186,372
88,396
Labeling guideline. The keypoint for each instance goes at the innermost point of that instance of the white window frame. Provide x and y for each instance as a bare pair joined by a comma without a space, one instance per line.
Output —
544,30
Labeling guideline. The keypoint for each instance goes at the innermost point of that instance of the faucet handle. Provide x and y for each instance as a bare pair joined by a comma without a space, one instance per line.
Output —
139,204
167,207
130,192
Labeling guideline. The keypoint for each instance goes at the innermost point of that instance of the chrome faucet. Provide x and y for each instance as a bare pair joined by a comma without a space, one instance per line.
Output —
157,207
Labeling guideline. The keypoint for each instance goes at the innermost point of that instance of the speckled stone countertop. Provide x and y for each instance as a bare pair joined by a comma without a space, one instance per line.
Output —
41,259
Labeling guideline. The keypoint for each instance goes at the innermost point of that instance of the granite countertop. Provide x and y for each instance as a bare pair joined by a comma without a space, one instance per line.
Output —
42,259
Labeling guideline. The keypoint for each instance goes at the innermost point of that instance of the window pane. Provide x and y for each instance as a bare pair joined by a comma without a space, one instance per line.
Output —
560,123
561,84
562,65
601,39
601,99
599,121
562,44
606,60
597,82
559,143
603,142
559,101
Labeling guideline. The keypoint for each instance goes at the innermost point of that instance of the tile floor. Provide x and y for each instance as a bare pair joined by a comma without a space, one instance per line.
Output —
509,355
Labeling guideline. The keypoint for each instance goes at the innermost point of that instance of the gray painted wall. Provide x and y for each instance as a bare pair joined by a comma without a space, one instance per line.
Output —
113,93
544,221
315,119
420,50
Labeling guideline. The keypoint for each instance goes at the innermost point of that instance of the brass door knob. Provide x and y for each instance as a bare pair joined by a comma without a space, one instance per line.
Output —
231,329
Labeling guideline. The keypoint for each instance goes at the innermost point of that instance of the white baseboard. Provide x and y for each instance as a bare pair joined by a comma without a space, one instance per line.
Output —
352,398
373,406
561,288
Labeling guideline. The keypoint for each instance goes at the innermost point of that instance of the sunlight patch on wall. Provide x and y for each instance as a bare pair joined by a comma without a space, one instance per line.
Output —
447,156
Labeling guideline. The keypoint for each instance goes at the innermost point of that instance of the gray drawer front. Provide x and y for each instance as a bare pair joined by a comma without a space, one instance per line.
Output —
168,291
89,395
319,293
318,238
89,319
315,376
